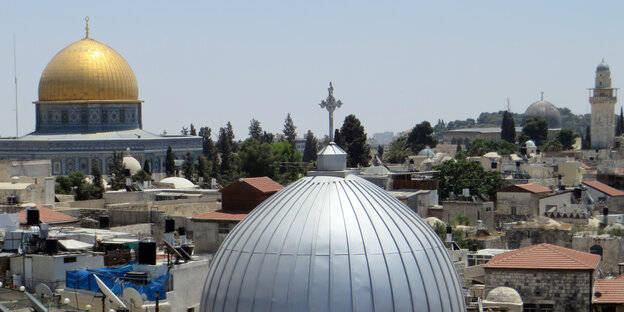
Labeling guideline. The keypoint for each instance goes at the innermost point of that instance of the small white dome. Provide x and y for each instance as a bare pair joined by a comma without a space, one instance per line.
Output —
504,294
529,143
131,164
179,183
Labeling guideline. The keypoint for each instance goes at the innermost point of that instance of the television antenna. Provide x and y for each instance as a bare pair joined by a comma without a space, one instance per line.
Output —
133,298
108,293
42,290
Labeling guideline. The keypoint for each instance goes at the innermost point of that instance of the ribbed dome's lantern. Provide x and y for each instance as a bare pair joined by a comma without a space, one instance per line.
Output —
332,243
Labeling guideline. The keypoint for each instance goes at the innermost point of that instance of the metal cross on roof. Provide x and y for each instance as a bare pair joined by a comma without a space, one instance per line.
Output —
331,104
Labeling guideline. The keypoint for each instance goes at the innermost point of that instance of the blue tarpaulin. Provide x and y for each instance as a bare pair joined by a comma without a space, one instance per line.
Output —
113,278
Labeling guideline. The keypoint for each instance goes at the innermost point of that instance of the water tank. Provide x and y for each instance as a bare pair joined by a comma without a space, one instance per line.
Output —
104,222
578,192
169,225
147,252
51,246
32,216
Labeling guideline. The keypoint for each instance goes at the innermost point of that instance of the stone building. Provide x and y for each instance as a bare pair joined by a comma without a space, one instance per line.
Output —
534,270
609,248
608,295
475,211
89,107
520,199
602,98
598,191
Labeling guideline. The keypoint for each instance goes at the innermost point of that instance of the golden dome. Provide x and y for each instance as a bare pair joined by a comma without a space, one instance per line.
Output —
88,71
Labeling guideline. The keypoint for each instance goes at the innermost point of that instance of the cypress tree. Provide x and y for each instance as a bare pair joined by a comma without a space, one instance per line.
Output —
170,163
508,128
290,131
146,167
310,151
353,139
118,177
98,186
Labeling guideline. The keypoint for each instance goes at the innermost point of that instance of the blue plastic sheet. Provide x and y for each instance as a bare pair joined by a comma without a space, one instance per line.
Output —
113,279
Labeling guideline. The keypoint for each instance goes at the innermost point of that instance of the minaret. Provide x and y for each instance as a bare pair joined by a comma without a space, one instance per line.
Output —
602,99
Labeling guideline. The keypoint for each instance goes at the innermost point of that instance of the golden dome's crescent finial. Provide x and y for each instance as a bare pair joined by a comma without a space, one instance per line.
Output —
87,27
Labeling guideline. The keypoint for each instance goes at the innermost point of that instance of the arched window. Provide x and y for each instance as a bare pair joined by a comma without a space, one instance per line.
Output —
596,250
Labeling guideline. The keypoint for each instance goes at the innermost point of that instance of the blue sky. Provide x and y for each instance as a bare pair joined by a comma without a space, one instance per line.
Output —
393,64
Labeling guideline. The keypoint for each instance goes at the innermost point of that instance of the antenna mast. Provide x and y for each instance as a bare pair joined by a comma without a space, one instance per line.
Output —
16,101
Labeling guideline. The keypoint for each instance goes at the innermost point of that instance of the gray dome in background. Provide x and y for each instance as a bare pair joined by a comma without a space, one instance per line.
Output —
602,66
426,152
504,294
329,243
545,110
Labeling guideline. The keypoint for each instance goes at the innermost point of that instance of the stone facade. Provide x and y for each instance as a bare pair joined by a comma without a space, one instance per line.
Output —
483,211
610,248
563,290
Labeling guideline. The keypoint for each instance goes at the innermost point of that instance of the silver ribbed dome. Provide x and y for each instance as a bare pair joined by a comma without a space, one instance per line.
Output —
545,110
327,243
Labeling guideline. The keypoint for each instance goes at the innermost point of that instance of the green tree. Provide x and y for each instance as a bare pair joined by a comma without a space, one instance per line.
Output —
255,130
204,168
98,185
536,128
193,131
552,146
457,175
146,166
508,128
290,131
256,159
567,138
141,176
480,147
208,148
118,174
619,127
353,137
170,162
586,142
338,139
421,137
187,167
268,137
311,147
287,165
399,151
380,151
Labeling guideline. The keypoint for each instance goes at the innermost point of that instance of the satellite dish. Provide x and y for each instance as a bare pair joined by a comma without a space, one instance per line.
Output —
42,290
108,293
133,298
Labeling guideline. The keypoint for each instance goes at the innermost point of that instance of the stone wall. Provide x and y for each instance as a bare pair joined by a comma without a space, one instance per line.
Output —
525,237
566,290
612,250
483,211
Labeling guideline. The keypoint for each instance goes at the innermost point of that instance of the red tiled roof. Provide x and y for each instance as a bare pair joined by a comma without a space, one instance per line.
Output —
609,291
264,184
544,256
604,188
584,166
221,215
49,216
530,187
